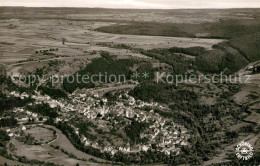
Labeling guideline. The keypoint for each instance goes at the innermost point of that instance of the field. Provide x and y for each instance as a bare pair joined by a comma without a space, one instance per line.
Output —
88,123
53,149
80,43
83,37
76,26
45,136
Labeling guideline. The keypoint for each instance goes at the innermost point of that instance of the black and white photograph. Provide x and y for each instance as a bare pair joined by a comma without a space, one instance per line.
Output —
129,82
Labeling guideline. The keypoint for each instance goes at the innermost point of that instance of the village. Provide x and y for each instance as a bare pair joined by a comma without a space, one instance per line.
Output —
161,134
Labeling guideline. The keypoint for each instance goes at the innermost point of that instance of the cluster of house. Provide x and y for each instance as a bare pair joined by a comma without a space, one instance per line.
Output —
24,116
14,133
167,136
38,98
107,148
20,95
163,133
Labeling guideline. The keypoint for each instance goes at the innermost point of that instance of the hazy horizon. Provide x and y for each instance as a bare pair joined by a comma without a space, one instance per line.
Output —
136,4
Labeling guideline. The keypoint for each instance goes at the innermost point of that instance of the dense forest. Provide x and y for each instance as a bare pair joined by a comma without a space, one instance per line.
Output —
106,66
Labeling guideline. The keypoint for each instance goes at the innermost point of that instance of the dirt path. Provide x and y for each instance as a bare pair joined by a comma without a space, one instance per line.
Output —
241,71
14,68
102,91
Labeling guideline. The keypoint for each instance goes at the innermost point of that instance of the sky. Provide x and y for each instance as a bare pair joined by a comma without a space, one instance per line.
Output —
139,4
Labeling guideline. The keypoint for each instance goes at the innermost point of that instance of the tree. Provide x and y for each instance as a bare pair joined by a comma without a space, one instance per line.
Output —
63,40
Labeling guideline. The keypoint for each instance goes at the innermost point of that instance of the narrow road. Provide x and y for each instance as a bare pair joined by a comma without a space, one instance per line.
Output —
241,71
